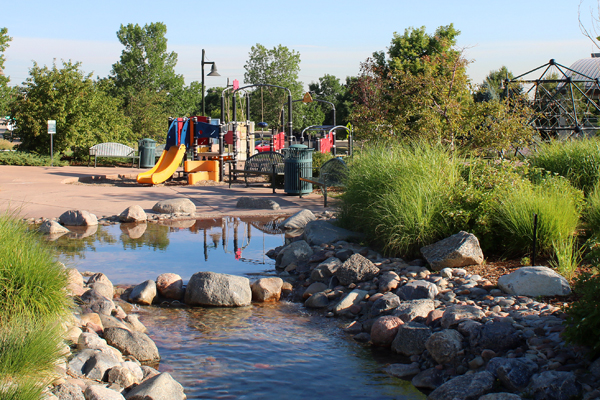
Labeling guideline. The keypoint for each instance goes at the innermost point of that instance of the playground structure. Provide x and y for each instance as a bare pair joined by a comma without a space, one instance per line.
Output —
565,100
205,145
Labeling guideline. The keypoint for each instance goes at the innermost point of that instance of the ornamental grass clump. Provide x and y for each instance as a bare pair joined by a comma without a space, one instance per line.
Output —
576,160
33,304
557,205
395,194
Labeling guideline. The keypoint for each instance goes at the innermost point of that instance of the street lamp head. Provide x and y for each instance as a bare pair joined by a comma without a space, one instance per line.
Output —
213,71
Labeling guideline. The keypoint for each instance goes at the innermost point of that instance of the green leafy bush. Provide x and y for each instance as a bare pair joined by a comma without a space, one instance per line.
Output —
318,160
583,316
576,160
28,159
395,193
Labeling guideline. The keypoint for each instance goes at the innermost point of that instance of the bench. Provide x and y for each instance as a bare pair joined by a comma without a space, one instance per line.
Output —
268,163
332,173
112,150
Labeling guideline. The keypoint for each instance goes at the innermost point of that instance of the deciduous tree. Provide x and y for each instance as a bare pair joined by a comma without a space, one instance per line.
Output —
5,90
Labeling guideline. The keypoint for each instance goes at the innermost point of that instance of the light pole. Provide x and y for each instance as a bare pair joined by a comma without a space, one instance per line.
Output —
213,72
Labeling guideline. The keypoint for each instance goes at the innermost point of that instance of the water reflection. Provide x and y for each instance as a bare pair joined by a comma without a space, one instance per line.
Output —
267,351
131,253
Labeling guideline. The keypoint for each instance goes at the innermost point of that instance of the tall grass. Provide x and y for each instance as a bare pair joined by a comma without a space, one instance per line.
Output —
557,205
592,210
576,160
395,193
33,303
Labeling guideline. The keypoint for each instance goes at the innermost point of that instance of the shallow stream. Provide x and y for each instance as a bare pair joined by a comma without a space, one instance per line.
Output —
261,351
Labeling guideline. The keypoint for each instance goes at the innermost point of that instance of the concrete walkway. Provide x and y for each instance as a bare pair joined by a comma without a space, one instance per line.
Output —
36,192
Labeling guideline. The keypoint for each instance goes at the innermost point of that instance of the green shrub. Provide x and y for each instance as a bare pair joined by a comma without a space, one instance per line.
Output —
582,325
557,205
28,159
33,303
576,160
395,193
318,160
6,144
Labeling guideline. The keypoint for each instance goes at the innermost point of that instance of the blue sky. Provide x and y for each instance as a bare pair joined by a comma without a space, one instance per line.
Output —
333,37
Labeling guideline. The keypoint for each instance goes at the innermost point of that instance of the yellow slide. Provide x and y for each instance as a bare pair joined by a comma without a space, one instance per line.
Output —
165,167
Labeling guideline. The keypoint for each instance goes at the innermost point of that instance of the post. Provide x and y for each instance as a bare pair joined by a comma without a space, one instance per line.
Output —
290,132
202,68
535,222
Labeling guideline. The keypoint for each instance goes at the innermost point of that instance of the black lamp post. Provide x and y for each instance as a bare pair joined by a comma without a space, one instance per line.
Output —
213,72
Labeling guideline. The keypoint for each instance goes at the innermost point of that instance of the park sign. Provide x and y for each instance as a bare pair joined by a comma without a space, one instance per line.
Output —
51,127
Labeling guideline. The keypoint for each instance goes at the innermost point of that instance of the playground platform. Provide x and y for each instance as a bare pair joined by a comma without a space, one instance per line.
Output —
47,192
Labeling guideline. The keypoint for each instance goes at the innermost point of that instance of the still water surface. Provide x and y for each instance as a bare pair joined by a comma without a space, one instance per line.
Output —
262,351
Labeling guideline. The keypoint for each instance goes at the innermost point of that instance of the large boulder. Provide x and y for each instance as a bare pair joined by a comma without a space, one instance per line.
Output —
356,269
101,278
298,220
132,343
257,203
52,228
159,387
533,282
133,214
95,302
456,251
170,286
445,346
496,336
295,252
171,206
320,232
77,218
98,364
465,387
266,290
221,290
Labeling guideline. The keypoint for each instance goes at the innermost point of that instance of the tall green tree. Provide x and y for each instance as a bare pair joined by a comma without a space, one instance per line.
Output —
145,79
494,87
329,88
85,114
5,90
278,66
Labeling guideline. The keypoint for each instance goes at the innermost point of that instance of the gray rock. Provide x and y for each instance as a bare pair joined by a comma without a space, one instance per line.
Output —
514,373
384,330
91,341
108,321
52,228
221,290
133,343
170,286
356,269
326,269
501,396
122,376
317,300
98,364
133,214
320,232
388,281
444,346
77,362
455,314
418,289
455,251
134,322
402,370
411,338
555,385
98,392
384,305
97,303
465,387
533,282
266,289
314,287
159,387
144,293
77,218
409,310
68,391
257,203
431,378
295,252
298,220
496,336
352,298
100,278
171,206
